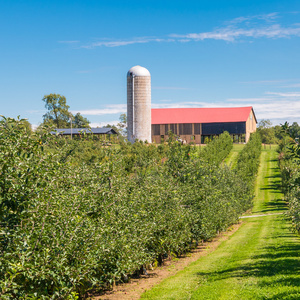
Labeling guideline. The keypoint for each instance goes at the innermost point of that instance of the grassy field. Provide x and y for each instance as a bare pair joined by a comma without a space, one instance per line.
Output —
260,261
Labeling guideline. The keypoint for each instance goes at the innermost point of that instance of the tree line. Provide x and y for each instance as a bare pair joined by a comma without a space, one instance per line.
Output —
274,134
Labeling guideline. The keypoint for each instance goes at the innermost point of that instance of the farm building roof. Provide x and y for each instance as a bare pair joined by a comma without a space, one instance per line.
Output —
75,131
200,115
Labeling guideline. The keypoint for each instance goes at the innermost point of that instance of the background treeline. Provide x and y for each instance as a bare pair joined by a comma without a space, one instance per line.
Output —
70,225
274,134
289,158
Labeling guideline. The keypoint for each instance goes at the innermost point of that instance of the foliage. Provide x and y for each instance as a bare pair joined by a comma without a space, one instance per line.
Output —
275,134
267,132
58,114
121,127
261,257
289,159
78,121
58,110
70,225
217,149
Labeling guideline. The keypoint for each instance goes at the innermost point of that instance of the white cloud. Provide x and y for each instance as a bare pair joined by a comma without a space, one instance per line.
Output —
253,27
266,17
118,43
278,107
249,100
295,85
168,88
267,81
101,124
108,109
232,33
288,94
34,126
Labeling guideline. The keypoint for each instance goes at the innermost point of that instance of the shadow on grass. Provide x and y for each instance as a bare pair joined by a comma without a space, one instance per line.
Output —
276,265
275,205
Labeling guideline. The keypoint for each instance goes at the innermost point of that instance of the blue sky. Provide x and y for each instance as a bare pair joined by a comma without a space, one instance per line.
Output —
199,54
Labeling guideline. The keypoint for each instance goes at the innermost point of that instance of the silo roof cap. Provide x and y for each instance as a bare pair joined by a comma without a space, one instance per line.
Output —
138,71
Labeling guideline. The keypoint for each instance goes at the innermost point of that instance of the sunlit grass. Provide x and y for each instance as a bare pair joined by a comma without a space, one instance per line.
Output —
260,261
231,158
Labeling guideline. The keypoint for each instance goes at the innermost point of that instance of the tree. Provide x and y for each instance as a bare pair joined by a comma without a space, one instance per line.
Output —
58,111
294,130
80,122
267,132
122,125
26,125
58,114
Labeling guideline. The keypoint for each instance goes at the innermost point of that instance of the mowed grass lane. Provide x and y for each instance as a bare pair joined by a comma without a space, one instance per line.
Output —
260,261
231,158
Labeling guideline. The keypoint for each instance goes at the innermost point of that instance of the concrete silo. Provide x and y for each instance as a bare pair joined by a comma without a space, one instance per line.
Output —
138,104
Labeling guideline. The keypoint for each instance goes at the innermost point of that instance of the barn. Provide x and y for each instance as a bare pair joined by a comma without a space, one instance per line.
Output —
199,125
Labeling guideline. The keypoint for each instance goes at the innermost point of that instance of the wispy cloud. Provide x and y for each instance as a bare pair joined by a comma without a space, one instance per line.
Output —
286,95
107,110
278,107
168,88
271,17
118,43
101,124
249,100
244,27
233,33
187,104
278,83
267,81
295,85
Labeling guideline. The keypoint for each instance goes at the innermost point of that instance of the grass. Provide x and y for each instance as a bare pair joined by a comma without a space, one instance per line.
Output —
231,158
260,261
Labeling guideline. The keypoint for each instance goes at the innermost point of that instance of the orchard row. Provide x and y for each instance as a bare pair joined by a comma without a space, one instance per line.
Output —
77,217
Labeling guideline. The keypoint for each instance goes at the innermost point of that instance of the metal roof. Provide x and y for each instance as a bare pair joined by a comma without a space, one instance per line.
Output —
200,115
67,131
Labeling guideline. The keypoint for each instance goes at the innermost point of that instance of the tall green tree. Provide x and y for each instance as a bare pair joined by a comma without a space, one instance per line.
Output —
58,111
58,114
267,132
80,122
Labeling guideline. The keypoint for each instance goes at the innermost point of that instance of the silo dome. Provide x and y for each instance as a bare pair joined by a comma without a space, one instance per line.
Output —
138,104
138,71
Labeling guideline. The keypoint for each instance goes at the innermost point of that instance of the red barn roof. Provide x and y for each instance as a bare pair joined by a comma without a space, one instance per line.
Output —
200,115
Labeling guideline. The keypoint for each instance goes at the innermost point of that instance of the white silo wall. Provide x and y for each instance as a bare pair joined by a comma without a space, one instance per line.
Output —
138,104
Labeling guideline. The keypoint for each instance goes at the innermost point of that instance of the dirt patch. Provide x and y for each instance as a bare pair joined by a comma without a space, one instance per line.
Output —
136,287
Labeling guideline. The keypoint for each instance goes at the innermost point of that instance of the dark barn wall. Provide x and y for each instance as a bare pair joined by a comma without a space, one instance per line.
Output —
218,128
196,132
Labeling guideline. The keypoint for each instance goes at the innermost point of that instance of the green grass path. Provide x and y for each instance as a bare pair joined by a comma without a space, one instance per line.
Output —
259,261
231,158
